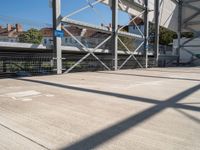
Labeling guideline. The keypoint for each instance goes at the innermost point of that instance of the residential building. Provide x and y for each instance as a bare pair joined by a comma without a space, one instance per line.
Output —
132,28
89,38
10,33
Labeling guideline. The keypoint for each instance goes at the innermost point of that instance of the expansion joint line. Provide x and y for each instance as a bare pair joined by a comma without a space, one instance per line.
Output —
25,137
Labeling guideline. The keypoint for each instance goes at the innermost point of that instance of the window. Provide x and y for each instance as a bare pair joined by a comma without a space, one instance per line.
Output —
66,40
45,41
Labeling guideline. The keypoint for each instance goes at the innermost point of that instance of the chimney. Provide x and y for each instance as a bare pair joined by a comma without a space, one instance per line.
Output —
110,26
19,28
9,27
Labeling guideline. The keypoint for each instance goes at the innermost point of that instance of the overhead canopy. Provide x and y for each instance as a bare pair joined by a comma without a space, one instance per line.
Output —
168,8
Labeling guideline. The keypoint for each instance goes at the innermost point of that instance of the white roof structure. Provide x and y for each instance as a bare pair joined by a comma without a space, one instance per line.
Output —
168,11
176,15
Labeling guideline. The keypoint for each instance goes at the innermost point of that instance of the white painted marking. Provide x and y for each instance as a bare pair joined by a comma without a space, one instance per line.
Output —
49,95
22,94
26,99
14,98
26,96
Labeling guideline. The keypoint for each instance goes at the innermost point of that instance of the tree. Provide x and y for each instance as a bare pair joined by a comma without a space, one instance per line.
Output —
166,35
31,36
187,34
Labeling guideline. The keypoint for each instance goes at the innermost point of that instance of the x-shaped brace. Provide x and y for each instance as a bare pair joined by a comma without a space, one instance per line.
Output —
90,52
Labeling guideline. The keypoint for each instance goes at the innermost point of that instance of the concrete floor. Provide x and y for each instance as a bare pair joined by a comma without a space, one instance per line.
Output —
124,110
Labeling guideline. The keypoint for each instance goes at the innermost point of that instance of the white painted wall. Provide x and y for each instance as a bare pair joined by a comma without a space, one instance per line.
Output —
69,41
8,39
133,29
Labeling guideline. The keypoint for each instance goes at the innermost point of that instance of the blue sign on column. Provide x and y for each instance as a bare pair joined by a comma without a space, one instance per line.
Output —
58,33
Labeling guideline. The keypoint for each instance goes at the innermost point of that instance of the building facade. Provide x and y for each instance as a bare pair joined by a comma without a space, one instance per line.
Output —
10,33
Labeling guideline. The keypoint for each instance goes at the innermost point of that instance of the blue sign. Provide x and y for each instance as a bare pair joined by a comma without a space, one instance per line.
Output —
59,33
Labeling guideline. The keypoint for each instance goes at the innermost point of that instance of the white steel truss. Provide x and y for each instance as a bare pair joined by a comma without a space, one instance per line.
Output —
113,34
186,24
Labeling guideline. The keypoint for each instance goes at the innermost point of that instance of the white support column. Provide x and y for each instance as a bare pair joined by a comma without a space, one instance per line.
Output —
115,33
57,40
146,32
179,30
157,30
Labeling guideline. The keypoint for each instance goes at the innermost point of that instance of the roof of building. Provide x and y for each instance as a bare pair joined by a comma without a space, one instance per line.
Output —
11,30
137,21
76,31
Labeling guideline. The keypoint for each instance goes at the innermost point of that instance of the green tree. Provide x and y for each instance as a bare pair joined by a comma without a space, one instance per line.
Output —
187,34
166,36
31,36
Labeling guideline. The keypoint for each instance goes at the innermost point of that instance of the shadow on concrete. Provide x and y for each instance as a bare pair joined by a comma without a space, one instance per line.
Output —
172,71
195,103
149,76
104,135
118,95
189,116
107,134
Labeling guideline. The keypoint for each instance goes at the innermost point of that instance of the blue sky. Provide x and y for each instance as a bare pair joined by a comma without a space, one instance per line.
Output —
37,13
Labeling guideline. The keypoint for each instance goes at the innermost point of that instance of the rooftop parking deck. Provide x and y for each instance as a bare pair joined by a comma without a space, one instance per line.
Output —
123,110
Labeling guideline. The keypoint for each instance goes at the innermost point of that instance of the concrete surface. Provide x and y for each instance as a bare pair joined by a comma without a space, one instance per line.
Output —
125,110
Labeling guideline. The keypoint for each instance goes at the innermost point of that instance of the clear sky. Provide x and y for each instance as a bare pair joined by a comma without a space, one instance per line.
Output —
37,13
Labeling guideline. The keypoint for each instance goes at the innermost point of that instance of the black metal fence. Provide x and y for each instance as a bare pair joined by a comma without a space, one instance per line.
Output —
34,63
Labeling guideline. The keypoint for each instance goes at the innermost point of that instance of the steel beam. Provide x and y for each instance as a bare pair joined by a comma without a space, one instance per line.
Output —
179,30
57,41
146,32
86,25
157,31
90,52
115,33
98,28
131,54
193,23
191,46
190,1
